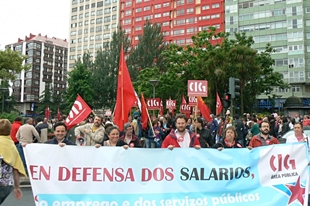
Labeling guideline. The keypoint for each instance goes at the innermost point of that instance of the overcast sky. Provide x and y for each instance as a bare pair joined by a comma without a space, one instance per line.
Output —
19,18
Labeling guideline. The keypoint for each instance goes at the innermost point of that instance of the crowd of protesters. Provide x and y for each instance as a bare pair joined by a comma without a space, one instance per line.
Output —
164,131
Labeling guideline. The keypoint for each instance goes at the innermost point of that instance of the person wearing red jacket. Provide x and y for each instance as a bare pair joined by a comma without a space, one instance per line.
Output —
181,137
15,126
263,138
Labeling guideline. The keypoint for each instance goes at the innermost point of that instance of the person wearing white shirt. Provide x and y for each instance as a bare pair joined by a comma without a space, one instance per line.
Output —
298,135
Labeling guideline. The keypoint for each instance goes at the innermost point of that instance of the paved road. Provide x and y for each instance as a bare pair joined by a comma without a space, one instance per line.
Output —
27,199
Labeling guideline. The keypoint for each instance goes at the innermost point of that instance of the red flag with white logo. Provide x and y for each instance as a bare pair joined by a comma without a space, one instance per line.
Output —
79,112
219,105
161,111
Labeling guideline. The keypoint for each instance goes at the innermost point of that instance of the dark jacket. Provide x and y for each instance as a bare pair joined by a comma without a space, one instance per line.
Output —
239,128
205,138
285,128
224,145
135,142
54,141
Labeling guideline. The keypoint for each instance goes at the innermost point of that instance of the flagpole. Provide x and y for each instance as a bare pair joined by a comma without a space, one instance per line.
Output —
147,111
122,87
196,108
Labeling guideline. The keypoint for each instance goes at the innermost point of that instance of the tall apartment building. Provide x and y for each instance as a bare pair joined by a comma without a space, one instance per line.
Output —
285,25
180,19
94,21
92,24
48,57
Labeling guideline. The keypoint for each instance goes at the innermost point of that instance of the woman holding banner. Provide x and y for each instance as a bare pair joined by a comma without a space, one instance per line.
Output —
114,139
229,139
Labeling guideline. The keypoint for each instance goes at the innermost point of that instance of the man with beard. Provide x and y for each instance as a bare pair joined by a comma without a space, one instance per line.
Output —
93,132
263,138
181,137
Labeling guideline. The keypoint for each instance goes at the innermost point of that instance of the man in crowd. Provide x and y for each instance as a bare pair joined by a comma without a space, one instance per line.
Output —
239,128
203,134
214,127
181,137
41,128
25,136
60,131
128,136
263,138
93,132
15,126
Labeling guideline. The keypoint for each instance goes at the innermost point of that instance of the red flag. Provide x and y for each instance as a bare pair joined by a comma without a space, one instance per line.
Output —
126,97
219,105
79,112
144,113
204,109
47,112
58,114
161,111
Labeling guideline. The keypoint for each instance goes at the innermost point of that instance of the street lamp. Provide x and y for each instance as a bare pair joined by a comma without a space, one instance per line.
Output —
8,100
3,90
154,83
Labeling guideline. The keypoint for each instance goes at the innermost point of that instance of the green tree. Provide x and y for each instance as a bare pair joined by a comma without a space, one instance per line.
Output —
46,99
147,53
216,57
11,63
105,70
80,82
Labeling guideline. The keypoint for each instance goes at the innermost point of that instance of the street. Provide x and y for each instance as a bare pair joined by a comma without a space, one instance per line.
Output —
27,199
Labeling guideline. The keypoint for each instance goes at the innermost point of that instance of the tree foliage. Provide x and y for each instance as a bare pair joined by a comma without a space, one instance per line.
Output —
216,57
11,63
105,68
46,99
147,53
80,82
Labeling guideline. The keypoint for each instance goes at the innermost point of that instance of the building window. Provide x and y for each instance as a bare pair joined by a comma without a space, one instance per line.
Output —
127,21
205,7
157,15
190,10
138,10
147,8
127,12
157,6
180,12
99,20
215,6
166,4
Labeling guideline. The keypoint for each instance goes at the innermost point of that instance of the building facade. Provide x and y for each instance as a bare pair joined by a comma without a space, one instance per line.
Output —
93,22
285,25
48,57
180,19
91,25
